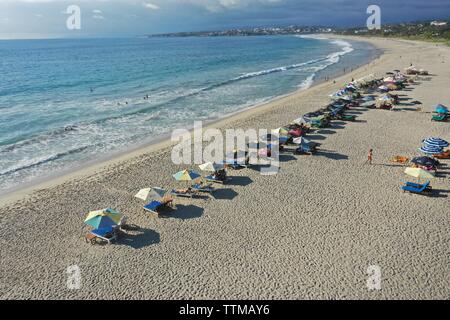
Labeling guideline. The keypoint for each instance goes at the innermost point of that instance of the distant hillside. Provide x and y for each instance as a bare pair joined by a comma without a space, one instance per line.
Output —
257,31
438,31
429,31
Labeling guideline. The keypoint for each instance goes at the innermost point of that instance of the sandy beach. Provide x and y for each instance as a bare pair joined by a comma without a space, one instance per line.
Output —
309,232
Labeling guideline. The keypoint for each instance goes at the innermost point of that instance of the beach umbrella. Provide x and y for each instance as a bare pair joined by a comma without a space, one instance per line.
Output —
441,109
282,131
436,142
186,175
301,140
300,121
419,173
425,161
430,149
283,139
105,218
153,193
368,98
211,166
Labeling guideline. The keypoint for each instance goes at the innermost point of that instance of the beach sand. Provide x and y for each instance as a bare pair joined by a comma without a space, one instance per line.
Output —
310,231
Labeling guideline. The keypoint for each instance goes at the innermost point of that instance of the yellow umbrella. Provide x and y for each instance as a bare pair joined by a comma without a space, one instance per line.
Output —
282,131
186,175
103,218
419,173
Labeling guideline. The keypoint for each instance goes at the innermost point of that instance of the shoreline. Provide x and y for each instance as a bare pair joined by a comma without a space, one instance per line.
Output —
91,166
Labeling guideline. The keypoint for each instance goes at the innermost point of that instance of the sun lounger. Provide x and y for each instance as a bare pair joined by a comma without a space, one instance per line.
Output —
443,155
296,132
157,206
203,188
306,149
236,166
348,117
101,235
184,194
400,159
122,225
439,118
417,188
215,180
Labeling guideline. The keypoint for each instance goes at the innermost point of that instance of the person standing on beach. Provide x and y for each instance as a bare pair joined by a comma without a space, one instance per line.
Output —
369,157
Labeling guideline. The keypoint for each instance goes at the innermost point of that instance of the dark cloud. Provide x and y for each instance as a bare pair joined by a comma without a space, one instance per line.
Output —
131,17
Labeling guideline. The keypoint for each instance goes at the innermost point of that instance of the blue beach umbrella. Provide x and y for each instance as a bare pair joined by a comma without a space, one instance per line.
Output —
441,109
436,142
105,218
430,149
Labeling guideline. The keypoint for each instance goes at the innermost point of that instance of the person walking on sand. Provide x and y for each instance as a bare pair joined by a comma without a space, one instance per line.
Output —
369,157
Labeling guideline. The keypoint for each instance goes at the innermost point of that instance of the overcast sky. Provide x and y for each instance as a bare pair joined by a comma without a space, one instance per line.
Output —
47,18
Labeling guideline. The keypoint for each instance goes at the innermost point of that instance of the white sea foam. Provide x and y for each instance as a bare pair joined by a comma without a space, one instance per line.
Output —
308,82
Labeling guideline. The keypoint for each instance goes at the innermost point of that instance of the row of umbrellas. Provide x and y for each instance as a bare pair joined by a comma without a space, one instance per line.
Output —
107,218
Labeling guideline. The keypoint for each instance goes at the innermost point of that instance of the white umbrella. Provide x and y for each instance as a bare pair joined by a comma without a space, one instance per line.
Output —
154,193
301,140
211,167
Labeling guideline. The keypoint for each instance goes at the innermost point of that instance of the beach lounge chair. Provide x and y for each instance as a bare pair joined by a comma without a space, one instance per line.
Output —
101,235
217,180
348,117
184,193
400,159
417,188
122,225
306,149
443,155
439,118
203,188
218,177
158,207
235,165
